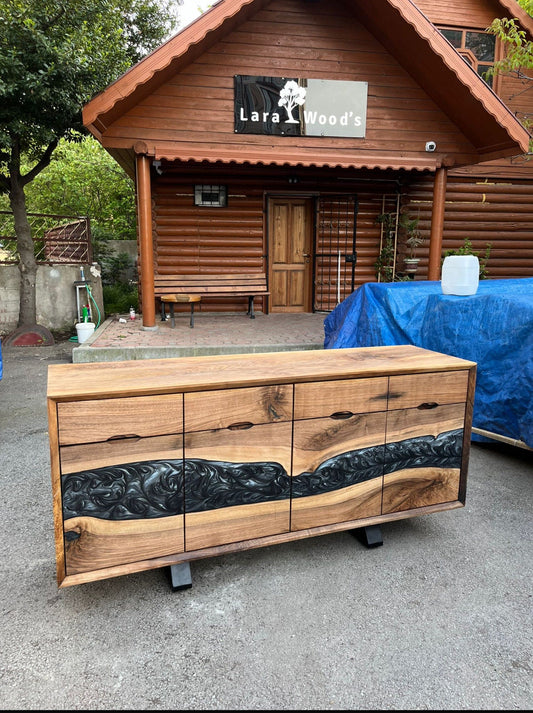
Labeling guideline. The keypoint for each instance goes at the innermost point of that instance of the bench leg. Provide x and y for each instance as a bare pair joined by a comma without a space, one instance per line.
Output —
251,307
192,315
163,312
172,321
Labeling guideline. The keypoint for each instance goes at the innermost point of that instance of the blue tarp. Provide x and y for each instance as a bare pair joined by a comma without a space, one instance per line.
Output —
494,328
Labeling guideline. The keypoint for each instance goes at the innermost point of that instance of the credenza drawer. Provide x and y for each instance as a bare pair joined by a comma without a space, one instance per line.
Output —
316,441
108,419
235,408
260,444
428,390
93,544
340,398
404,424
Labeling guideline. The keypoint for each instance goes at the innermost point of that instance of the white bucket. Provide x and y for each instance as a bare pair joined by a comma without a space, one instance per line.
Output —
84,330
460,275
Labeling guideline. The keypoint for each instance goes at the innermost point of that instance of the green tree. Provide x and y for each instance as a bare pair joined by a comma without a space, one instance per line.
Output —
518,50
55,55
82,179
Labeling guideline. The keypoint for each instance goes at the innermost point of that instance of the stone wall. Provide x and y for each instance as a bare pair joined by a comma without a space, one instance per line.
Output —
56,296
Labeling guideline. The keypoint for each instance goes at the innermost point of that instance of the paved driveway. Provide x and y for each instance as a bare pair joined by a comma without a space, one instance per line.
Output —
440,617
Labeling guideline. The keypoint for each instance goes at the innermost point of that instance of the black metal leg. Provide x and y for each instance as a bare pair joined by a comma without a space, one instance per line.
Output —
192,314
370,535
163,312
251,307
180,576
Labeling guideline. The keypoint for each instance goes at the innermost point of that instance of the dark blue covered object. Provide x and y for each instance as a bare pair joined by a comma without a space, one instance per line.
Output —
494,328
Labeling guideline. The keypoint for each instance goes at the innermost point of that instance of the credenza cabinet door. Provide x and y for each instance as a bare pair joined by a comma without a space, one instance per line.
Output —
424,444
337,464
237,464
121,486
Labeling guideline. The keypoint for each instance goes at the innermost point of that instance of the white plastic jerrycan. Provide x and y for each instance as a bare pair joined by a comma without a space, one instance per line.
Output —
460,275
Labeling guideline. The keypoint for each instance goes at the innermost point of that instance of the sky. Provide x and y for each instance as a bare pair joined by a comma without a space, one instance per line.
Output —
190,10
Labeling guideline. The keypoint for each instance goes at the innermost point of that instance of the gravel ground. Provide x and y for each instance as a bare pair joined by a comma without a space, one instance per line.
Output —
438,618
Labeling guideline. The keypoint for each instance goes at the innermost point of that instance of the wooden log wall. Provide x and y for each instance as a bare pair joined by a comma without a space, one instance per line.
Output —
485,212
478,16
193,240
196,240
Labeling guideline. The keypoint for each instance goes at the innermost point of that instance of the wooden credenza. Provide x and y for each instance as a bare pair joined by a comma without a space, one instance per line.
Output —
163,461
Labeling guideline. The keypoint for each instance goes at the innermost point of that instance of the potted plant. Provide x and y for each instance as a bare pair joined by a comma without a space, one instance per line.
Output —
385,264
467,249
413,241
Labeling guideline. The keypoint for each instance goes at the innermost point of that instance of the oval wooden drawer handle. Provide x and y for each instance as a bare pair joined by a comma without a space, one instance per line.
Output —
339,415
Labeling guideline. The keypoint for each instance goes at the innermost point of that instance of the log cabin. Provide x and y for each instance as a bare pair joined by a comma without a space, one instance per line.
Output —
270,136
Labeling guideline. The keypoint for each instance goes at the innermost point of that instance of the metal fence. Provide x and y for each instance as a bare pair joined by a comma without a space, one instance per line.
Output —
56,239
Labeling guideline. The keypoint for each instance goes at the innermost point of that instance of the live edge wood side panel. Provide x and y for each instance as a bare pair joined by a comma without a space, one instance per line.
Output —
178,459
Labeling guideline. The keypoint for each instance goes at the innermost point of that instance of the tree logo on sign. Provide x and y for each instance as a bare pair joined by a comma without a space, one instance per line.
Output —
291,96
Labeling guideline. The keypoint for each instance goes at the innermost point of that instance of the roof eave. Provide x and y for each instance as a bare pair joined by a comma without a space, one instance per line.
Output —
515,11
155,67
431,42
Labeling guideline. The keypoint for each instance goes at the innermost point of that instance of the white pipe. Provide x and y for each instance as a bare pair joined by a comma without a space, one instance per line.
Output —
504,439
339,278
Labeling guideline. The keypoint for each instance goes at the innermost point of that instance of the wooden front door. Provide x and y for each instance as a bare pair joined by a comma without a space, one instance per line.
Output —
290,232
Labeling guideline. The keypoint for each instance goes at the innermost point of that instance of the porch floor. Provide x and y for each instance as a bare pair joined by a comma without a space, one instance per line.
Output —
213,333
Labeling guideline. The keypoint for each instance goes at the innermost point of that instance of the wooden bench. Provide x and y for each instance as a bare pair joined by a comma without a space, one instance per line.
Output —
253,284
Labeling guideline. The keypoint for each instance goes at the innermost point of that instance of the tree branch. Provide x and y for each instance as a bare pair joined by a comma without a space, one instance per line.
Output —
53,20
41,164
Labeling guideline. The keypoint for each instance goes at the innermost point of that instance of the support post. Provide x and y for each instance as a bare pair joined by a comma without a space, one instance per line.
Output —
370,536
180,576
437,223
146,247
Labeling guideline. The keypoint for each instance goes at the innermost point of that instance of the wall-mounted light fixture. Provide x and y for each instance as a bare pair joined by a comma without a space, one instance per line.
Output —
157,166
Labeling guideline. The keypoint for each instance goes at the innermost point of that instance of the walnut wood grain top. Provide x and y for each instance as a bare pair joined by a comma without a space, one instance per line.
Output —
158,376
